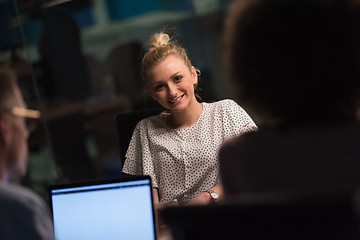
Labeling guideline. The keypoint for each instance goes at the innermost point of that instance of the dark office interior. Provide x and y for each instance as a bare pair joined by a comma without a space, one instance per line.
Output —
78,62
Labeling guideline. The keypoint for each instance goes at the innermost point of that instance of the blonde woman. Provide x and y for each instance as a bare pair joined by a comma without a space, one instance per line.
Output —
179,148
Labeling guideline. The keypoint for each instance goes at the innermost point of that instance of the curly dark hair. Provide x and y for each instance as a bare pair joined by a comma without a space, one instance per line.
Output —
295,62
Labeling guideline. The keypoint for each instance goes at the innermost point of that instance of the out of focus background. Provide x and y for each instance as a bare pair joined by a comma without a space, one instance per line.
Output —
79,64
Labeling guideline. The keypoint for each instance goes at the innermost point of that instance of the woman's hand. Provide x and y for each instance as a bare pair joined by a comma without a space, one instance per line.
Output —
204,197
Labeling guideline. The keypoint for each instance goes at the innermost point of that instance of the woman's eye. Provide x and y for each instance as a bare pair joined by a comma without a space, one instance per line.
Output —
178,78
158,87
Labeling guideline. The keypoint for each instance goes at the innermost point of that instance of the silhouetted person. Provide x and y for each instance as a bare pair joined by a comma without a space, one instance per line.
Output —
23,214
296,66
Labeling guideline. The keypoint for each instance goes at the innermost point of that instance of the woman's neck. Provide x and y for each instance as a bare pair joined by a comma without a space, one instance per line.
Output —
186,118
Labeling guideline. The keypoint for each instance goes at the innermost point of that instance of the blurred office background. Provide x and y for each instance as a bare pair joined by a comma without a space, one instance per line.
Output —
79,63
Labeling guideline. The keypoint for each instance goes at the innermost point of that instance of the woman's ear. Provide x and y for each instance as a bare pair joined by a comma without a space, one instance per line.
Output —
194,75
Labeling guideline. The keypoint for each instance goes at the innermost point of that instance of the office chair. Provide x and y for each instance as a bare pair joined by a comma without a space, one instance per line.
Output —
126,123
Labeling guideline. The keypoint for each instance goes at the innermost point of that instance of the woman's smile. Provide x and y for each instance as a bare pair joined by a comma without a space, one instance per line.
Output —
175,101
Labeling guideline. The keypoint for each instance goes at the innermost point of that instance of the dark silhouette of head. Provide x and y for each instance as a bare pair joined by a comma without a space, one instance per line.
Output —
296,62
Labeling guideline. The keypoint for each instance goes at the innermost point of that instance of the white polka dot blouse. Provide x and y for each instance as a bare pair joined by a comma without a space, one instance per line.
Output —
183,163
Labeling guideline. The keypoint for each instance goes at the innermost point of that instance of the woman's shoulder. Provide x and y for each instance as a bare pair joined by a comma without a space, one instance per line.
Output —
227,101
227,106
223,102
152,122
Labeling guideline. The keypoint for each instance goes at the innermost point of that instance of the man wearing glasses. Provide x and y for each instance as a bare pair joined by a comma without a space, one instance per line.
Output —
23,214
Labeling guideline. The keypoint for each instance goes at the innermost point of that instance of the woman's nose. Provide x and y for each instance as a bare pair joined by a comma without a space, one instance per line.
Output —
172,91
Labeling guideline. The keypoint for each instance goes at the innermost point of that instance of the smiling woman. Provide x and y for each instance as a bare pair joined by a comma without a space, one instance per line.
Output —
178,149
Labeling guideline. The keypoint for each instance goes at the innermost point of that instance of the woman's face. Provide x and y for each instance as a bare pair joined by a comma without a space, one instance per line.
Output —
171,83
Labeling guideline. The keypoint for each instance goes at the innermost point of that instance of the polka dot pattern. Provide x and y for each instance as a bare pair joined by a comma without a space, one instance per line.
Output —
182,163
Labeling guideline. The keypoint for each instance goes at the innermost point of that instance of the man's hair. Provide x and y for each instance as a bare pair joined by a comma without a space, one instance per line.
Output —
7,86
296,61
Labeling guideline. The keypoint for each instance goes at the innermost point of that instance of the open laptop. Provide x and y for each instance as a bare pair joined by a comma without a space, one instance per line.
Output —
113,209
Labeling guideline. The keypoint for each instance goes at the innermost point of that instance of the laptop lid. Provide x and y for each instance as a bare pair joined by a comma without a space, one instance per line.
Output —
114,209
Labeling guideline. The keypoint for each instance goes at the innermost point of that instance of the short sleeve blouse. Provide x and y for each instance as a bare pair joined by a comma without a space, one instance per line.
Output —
182,163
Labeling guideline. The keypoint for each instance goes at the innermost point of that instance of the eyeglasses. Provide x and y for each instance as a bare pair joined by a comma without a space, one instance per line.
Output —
24,112
30,116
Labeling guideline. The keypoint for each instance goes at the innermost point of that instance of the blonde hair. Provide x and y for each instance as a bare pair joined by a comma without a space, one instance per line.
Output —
161,46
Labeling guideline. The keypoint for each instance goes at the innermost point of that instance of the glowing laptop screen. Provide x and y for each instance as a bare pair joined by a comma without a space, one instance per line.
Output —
116,210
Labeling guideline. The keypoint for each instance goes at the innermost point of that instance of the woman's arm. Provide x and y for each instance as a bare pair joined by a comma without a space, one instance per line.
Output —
204,197
155,192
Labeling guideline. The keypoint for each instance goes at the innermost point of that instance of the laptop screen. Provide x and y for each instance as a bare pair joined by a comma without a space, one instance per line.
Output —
117,209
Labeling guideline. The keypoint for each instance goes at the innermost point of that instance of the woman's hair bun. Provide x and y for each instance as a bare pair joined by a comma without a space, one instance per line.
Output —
158,40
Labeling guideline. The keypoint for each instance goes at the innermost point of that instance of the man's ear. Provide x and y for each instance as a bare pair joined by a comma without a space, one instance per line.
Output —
5,129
